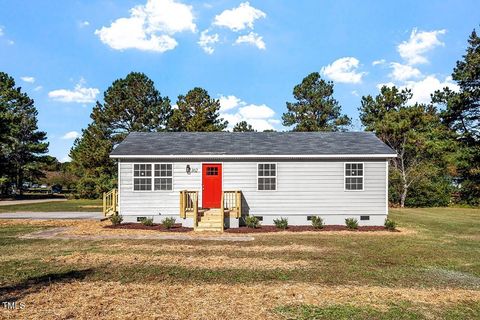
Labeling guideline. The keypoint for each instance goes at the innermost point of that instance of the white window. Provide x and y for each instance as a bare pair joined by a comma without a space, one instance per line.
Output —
142,177
163,177
267,176
146,179
354,176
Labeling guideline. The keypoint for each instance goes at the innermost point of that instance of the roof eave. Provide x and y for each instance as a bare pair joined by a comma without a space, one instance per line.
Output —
253,156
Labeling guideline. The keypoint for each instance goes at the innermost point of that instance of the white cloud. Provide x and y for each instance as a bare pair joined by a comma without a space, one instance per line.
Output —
66,159
344,70
79,94
84,24
150,27
402,72
1,31
239,18
419,43
38,88
252,38
261,117
355,93
378,62
71,135
28,79
422,89
253,111
206,41
230,102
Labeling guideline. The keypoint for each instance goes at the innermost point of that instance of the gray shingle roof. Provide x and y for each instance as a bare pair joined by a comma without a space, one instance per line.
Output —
250,143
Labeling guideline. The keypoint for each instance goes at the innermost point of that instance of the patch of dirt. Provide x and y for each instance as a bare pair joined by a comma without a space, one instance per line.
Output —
267,229
452,276
114,300
138,226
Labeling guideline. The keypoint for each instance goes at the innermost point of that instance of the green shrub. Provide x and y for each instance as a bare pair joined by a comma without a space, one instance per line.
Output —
147,222
317,222
351,223
252,222
281,223
390,224
116,219
168,223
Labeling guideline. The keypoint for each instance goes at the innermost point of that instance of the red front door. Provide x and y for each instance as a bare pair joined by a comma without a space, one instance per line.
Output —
211,185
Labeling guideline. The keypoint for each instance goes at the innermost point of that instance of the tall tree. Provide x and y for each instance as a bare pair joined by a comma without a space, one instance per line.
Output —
462,115
413,131
243,126
130,104
91,162
196,111
22,145
315,108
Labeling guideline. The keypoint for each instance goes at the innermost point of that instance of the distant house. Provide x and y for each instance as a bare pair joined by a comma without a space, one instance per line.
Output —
212,180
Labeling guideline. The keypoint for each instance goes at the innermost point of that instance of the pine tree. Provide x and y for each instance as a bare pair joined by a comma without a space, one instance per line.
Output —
415,132
22,145
315,108
196,111
243,126
462,115
130,104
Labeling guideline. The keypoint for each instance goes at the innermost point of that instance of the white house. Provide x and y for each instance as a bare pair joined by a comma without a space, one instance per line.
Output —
192,176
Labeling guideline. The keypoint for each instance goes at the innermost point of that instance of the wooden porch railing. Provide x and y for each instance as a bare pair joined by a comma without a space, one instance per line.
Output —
189,205
110,202
232,201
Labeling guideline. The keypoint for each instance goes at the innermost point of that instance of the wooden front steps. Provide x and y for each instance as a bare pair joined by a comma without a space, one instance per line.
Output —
210,220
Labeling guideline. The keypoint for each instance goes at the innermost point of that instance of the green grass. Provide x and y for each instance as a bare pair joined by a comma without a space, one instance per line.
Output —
55,206
440,250
400,311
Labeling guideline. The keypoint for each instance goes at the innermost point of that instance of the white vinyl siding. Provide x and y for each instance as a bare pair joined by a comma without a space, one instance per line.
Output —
303,188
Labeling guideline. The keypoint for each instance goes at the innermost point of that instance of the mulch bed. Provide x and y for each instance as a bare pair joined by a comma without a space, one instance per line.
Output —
138,226
265,229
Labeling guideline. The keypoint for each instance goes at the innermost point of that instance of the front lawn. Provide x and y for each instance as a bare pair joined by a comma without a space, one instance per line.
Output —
429,270
82,205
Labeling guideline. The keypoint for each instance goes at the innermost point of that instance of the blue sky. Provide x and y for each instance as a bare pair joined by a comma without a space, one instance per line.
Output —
250,55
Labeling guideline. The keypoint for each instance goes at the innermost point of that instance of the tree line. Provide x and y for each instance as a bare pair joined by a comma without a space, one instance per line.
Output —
437,143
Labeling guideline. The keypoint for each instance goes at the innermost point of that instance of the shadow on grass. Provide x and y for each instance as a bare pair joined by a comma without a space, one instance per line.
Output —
17,291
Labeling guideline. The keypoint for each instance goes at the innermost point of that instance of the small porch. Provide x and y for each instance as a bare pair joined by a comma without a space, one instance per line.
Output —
210,219
204,219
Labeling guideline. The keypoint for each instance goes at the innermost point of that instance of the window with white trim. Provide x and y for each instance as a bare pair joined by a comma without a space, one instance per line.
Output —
142,177
163,177
354,176
267,176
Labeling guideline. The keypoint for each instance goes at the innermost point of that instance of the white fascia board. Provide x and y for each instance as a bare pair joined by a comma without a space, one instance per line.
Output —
251,156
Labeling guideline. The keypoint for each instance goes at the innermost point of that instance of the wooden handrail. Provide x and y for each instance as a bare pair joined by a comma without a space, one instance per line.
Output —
195,209
189,203
110,202
233,201
222,210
